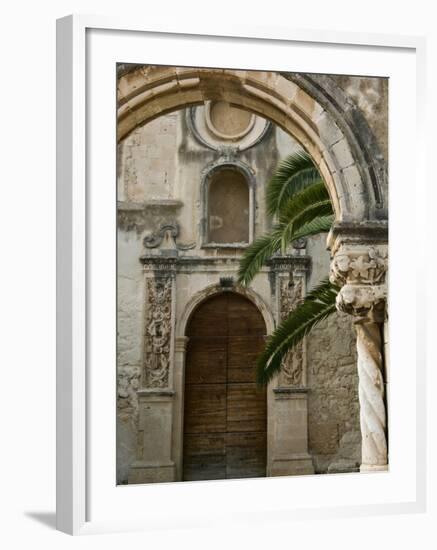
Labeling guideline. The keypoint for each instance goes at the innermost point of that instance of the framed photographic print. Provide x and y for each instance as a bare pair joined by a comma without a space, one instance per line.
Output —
231,291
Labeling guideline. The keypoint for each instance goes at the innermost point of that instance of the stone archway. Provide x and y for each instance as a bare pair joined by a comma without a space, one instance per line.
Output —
331,130
322,123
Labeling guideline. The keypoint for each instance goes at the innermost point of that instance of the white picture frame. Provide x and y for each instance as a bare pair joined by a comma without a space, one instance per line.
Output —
75,234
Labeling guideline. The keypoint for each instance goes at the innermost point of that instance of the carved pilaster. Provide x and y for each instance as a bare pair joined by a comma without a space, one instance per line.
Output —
289,284
289,408
158,326
361,272
291,292
156,397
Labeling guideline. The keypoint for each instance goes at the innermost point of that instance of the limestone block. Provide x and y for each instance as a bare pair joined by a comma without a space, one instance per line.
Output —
305,102
149,473
342,153
348,456
155,427
293,466
354,182
330,133
333,406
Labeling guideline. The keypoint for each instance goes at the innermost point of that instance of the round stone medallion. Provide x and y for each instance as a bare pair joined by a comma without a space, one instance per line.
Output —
218,123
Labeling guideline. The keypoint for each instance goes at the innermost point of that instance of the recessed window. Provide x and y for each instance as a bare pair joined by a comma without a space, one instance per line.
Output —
228,207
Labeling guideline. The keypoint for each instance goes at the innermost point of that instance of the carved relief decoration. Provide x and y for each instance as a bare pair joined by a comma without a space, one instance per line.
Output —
166,238
359,265
157,332
290,294
361,273
363,301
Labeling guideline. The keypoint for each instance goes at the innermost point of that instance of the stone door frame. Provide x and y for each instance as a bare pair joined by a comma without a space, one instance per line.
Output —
181,342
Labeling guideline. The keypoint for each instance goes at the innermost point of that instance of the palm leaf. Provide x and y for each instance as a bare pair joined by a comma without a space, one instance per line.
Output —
294,173
263,248
321,224
311,203
316,306
256,255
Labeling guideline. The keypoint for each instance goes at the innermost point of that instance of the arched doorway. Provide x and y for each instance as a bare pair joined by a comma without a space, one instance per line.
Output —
225,413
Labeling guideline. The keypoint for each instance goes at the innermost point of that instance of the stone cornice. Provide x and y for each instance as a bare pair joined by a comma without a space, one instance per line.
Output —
290,391
155,392
159,263
287,263
175,262
368,233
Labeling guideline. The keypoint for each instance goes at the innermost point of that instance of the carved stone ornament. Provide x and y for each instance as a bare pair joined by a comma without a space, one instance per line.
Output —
166,237
363,300
361,273
157,332
359,265
291,293
373,418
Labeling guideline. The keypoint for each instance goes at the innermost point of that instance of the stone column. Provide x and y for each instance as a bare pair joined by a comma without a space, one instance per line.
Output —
179,384
360,270
288,437
155,461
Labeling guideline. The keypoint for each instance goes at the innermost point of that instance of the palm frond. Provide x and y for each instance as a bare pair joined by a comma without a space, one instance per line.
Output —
311,203
256,255
318,225
316,306
294,173
263,248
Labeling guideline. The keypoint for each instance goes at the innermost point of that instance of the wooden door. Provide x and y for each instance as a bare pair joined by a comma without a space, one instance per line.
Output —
225,413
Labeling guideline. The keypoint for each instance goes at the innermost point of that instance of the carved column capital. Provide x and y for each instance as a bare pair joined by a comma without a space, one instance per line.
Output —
363,301
359,264
361,272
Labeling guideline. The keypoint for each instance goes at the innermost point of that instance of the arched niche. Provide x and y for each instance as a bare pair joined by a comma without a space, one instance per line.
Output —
228,199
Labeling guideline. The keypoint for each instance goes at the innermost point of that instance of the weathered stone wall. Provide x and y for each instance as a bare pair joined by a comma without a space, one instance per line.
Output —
130,300
147,161
371,97
160,170
333,408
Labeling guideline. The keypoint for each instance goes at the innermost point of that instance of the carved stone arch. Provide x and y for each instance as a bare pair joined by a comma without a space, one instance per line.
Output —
361,138
326,125
212,290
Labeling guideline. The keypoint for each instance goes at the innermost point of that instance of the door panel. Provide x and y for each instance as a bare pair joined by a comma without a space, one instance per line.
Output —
246,454
206,358
246,408
225,413
204,457
205,408
242,354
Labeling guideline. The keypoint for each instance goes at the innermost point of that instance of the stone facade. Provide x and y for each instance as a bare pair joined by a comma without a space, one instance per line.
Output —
167,265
